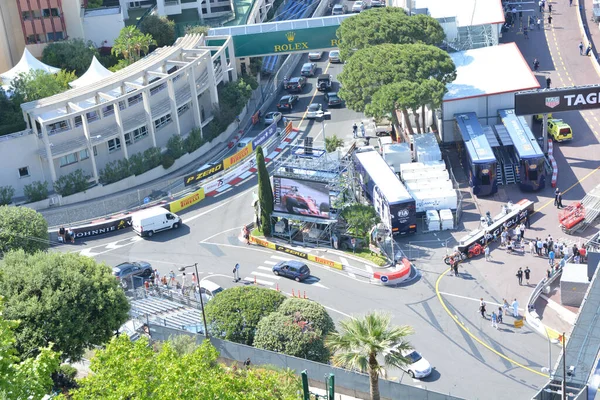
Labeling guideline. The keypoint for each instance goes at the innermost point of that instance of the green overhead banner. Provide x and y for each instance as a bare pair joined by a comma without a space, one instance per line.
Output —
281,42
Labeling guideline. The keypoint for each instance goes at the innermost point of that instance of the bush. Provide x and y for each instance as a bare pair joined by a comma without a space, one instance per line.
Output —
22,228
152,158
167,160
115,171
94,4
36,191
136,164
64,378
72,183
194,140
6,195
175,147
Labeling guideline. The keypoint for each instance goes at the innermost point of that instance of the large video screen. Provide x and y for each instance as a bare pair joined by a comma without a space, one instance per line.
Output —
301,197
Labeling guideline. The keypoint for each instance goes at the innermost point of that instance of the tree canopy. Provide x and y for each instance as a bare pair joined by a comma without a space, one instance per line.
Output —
131,43
161,29
11,116
297,328
28,379
38,84
22,228
70,55
387,25
234,314
126,370
265,192
360,218
65,300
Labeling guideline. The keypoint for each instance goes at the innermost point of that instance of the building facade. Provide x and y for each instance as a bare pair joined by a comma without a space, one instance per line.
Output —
204,8
167,93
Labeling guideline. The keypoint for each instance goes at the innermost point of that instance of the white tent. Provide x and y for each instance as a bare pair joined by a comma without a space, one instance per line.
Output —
26,64
95,73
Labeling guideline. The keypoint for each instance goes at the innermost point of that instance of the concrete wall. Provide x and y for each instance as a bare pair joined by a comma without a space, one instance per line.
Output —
20,151
72,14
102,28
12,41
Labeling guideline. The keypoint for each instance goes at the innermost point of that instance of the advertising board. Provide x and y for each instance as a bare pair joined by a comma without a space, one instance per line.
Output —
265,135
187,201
202,174
101,229
237,157
301,197
217,183
544,101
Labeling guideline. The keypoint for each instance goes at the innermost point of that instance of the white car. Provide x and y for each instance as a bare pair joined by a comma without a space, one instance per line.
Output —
273,116
209,290
315,55
418,367
334,56
358,6
377,3
315,110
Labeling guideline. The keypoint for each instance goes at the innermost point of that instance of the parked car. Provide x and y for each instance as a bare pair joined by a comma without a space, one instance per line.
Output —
273,116
559,130
324,82
339,9
315,55
286,103
132,274
334,56
377,3
358,6
314,110
418,367
333,99
296,84
151,220
308,69
209,290
292,269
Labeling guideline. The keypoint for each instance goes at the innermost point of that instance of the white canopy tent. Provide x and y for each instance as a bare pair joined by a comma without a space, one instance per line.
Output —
96,72
27,63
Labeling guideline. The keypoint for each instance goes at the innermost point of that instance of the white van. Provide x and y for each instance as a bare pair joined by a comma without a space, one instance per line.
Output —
244,142
148,222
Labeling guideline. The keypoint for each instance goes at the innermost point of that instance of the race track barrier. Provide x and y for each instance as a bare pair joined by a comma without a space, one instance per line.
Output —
399,275
296,253
553,162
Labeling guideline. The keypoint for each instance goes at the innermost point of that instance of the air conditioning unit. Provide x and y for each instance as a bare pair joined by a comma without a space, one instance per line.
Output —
54,201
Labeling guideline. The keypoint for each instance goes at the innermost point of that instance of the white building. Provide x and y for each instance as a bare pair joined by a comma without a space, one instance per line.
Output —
168,92
204,8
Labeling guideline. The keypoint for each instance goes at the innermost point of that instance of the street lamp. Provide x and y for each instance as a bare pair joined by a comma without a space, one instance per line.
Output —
200,293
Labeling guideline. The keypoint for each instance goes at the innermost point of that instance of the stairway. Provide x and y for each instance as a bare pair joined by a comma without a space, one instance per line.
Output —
499,174
509,174
168,313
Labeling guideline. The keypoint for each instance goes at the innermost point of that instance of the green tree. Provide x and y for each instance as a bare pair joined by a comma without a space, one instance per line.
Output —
36,191
360,219
162,29
133,370
234,314
298,329
362,340
265,192
70,55
6,195
93,4
131,43
22,228
38,84
27,379
197,29
176,146
387,25
65,300
71,183
332,143
11,115
372,68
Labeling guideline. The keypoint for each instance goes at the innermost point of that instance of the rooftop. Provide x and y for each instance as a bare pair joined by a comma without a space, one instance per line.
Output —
490,70
466,12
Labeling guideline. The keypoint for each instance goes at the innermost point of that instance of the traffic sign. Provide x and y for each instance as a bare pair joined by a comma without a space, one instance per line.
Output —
383,278
518,323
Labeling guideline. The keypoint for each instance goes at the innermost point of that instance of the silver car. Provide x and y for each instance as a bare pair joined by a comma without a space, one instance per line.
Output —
273,116
334,56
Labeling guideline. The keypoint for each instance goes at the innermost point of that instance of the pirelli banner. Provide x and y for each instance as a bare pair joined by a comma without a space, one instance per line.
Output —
187,201
198,176
295,253
543,101
238,157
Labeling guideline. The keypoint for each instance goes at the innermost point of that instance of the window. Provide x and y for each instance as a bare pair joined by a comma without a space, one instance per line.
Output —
46,12
134,99
54,36
157,89
122,105
36,13
136,135
84,154
108,110
95,151
68,159
33,39
162,121
55,12
26,15
57,127
92,116
114,144
78,121
23,172
183,109
128,140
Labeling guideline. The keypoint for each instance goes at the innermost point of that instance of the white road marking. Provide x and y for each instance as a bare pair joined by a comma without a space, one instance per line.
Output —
369,268
270,276
223,192
280,258
317,284
87,252
474,299
265,268
268,283
239,228
337,311
270,262
344,260
351,275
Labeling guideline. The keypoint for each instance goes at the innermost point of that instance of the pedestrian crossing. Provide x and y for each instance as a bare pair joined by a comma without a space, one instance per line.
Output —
263,275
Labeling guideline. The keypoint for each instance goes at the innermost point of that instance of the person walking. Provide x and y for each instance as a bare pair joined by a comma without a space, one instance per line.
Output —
71,235
559,201
527,222
355,129
556,193
183,278
536,64
499,315
548,82
551,257
526,32
539,246
580,48
488,257
362,129
515,307
482,308
505,306
531,247
455,268
522,230
194,279
171,278
549,19
527,275
236,273
541,4
539,23
520,276
550,8
494,318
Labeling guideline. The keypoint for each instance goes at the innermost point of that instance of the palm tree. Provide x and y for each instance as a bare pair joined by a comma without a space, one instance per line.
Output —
131,43
360,342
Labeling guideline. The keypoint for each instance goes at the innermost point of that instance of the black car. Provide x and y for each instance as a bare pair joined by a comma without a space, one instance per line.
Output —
286,103
333,99
132,274
296,84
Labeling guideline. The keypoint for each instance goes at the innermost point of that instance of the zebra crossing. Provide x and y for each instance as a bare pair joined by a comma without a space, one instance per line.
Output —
263,274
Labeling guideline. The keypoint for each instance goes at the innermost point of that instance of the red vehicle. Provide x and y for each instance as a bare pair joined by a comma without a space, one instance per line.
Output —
295,203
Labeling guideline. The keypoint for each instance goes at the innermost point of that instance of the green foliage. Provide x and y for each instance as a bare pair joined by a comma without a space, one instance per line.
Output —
176,146
194,140
297,328
161,29
255,65
386,25
66,301
167,160
265,192
114,171
70,55
332,143
234,314
136,164
132,370
36,191
38,84
64,378
131,43
6,195
72,183
199,29
235,95
152,158
183,344
27,379
22,228
11,116
360,218
122,63
369,255
362,342
93,4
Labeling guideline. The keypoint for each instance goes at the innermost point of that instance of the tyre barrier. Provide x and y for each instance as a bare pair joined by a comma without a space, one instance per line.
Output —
401,274
553,162
235,139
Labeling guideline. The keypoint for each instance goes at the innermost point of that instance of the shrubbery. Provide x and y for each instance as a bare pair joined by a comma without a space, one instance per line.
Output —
194,140
114,171
167,160
72,183
6,195
36,191
175,147
136,165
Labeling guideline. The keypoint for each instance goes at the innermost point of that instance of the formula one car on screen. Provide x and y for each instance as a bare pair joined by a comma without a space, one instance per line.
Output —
295,203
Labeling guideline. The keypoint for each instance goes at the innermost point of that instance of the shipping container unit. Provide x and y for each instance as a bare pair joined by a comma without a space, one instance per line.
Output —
434,184
424,175
435,199
426,147
396,154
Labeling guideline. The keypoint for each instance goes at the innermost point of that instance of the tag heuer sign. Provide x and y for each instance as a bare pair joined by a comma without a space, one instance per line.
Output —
552,102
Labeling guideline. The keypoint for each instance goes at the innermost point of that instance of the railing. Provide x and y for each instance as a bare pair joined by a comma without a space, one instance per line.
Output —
10,136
